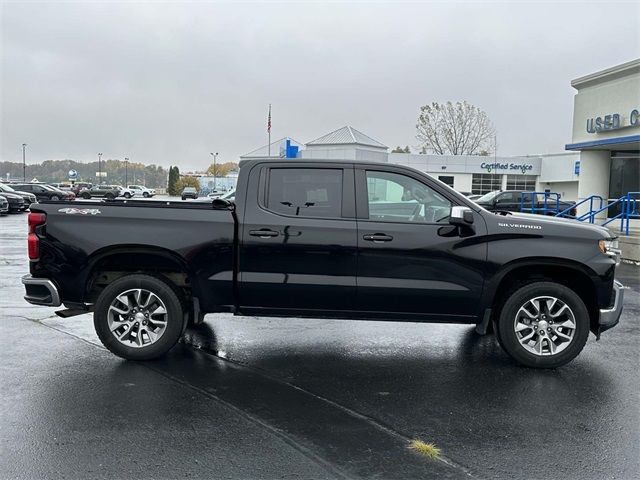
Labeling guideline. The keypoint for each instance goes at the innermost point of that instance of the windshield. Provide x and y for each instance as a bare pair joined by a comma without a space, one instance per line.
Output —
487,197
6,188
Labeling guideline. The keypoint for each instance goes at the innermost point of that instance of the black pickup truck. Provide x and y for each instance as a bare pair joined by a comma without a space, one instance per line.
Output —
330,239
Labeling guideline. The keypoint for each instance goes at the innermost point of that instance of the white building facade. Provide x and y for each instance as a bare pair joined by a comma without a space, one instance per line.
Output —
606,131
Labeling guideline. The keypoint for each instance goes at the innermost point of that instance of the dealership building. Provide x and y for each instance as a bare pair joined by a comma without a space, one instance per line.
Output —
601,159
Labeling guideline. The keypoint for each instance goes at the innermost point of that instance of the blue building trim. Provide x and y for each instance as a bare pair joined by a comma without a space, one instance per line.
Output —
603,142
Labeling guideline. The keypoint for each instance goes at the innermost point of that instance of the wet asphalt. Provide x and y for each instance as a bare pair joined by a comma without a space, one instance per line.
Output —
245,397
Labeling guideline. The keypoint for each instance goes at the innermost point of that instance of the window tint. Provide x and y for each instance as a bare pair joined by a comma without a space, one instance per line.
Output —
393,197
508,197
305,192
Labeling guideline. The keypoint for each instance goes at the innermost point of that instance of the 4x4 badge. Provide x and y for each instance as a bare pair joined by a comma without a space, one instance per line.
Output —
80,211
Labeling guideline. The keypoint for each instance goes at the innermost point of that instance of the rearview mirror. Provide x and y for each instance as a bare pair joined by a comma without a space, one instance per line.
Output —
461,216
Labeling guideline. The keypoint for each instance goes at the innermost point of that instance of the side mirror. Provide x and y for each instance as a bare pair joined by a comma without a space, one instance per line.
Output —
461,216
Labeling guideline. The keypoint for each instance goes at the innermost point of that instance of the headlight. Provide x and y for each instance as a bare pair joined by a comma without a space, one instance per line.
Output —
610,247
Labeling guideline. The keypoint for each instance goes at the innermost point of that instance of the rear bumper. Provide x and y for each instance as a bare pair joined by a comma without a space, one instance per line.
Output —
609,317
41,291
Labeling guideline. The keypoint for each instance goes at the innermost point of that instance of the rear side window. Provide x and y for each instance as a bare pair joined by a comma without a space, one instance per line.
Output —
305,192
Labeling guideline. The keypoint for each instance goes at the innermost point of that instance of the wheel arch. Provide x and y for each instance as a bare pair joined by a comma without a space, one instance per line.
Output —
106,265
574,275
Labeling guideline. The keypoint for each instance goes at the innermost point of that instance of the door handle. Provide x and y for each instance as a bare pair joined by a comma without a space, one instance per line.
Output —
378,237
263,233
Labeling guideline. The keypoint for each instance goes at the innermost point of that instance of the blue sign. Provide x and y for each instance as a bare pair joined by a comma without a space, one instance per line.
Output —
73,174
576,167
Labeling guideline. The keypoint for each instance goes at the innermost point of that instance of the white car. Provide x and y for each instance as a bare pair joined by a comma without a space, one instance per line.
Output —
140,191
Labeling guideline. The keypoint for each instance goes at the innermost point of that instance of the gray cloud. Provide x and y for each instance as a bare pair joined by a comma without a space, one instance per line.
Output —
170,82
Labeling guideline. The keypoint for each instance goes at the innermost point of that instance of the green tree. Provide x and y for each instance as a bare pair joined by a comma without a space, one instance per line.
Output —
187,182
221,169
174,178
399,149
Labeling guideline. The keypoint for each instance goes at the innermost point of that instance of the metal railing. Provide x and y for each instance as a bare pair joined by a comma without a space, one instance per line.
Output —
628,210
550,203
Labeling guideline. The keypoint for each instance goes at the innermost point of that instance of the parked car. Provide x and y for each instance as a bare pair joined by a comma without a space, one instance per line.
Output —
44,192
15,201
4,205
28,198
78,186
189,192
108,192
331,239
141,191
228,195
510,201
64,186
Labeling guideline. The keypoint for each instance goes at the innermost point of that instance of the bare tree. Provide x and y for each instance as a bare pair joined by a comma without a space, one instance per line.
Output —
455,129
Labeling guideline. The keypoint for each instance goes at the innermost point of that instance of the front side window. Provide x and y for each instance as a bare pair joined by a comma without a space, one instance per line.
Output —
393,197
305,192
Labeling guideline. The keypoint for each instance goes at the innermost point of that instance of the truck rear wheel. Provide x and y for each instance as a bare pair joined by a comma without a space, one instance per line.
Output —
543,325
138,317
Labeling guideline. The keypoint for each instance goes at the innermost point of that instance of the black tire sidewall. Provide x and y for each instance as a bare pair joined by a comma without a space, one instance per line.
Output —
175,318
145,194
507,336
55,198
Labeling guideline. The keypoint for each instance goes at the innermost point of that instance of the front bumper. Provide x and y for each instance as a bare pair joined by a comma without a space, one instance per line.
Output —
609,317
41,291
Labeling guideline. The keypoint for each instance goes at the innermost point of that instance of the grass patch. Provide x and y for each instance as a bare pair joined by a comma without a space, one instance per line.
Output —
425,449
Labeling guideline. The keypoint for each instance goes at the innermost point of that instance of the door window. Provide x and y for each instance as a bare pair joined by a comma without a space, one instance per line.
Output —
508,197
305,192
393,197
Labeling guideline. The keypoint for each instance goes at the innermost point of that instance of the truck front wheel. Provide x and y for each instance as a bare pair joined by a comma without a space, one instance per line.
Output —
543,325
138,317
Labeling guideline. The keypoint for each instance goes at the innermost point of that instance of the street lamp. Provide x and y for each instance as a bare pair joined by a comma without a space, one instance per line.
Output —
24,163
126,176
214,155
99,168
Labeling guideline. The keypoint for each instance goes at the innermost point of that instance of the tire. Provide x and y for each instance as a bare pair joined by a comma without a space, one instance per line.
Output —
184,198
547,347
109,198
55,198
127,195
86,196
109,323
145,194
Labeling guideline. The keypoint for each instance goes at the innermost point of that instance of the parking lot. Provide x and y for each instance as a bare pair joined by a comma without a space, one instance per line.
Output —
245,397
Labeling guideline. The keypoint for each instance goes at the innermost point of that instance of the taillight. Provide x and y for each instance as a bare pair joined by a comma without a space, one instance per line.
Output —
33,242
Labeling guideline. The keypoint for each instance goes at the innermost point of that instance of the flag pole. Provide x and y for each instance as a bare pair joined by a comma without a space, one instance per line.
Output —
269,131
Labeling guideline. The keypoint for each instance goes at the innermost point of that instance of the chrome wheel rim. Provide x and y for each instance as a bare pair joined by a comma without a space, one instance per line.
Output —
545,326
137,318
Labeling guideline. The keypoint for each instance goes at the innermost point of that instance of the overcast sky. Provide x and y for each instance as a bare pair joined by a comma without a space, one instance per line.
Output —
168,83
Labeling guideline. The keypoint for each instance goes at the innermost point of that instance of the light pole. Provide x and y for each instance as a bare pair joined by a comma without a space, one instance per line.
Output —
24,163
126,176
99,168
214,155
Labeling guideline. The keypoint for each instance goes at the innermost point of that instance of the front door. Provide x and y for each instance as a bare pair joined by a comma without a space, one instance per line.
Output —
298,240
411,262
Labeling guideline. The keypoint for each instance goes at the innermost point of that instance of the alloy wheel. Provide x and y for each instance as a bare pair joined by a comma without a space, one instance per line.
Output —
137,318
545,325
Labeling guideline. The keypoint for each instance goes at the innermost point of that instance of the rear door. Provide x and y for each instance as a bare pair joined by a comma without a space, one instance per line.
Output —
411,262
298,239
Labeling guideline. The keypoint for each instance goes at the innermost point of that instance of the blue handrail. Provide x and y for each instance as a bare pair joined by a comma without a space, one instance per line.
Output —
545,202
584,216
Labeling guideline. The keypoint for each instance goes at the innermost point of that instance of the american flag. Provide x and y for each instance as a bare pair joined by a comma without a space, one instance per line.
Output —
269,120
